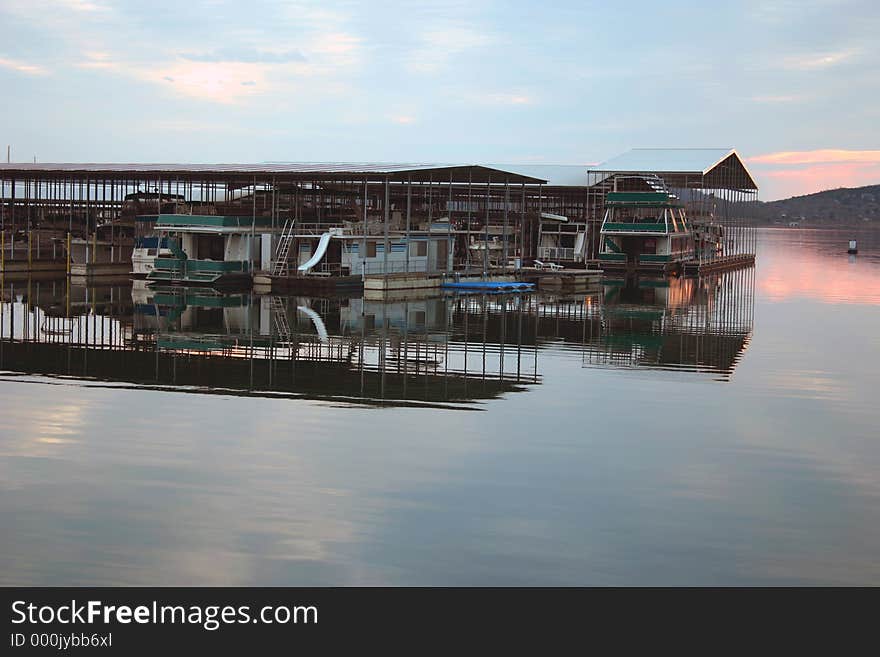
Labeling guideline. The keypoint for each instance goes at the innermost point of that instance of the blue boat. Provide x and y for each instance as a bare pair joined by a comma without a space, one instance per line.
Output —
489,285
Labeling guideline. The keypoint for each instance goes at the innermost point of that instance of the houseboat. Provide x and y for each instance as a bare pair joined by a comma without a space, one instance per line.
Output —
645,231
209,249
342,252
561,240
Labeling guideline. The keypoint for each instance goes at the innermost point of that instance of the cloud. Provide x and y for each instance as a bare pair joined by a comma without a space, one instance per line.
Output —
777,99
817,61
82,5
403,119
794,173
507,99
820,156
219,82
98,60
247,56
22,67
439,46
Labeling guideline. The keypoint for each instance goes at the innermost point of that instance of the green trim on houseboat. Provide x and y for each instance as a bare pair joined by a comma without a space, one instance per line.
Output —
653,257
642,199
213,266
610,244
656,227
172,277
208,221
635,313
613,257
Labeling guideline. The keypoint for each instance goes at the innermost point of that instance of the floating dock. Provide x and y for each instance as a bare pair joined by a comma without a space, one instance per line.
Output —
565,279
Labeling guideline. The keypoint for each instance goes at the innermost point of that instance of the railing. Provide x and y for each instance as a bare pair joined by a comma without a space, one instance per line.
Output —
555,253
657,227
395,267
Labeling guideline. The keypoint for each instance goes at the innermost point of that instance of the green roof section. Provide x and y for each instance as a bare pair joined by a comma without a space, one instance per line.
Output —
206,221
642,199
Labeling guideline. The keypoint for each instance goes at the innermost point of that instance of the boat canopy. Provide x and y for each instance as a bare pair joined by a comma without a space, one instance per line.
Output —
642,199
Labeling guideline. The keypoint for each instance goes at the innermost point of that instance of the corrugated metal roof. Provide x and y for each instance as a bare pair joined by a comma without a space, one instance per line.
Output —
666,160
419,171
556,175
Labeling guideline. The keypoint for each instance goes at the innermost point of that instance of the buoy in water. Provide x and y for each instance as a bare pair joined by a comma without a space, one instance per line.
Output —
853,247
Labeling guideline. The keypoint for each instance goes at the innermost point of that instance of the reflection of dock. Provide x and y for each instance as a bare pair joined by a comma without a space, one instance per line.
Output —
569,280
723,263
451,350
202,341
685,324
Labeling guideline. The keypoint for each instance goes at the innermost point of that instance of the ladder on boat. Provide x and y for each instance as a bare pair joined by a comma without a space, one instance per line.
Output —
279,316
282,249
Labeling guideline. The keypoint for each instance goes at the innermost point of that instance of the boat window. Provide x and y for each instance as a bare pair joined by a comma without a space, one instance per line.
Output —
371,249
151,252
419,248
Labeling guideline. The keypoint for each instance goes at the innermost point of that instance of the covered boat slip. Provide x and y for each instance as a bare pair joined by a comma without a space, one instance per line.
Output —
295,203
352,220
716,194
646,230
211,250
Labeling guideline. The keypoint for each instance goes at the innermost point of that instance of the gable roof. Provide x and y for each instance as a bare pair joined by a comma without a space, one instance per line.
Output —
717,167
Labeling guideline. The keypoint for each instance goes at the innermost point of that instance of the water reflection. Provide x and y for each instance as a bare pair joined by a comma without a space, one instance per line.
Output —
693,324
606,451
452,350
813,264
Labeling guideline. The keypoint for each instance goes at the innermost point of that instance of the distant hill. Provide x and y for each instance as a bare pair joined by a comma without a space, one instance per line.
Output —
845,206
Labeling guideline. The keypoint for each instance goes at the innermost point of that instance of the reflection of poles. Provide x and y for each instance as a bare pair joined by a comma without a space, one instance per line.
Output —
383,353
405,346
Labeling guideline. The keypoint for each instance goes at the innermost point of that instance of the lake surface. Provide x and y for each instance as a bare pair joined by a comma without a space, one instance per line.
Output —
713,431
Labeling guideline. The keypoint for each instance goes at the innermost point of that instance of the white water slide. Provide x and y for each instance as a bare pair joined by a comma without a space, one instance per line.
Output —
323,243
579,245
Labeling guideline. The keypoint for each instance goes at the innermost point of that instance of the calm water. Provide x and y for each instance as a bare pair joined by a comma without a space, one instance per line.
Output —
720,431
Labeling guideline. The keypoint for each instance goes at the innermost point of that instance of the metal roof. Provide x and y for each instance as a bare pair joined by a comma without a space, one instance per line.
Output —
338,170
675,163
556,175
666,160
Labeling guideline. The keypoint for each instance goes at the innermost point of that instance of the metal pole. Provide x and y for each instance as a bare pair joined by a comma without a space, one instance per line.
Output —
12,213
506,207
450,244
408,213
253,228
387,245
363,246
486,229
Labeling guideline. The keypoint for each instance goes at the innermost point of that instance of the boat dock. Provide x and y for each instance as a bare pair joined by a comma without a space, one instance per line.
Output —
336,227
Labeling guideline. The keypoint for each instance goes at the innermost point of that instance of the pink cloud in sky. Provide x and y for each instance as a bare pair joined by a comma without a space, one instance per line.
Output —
820,156
794,173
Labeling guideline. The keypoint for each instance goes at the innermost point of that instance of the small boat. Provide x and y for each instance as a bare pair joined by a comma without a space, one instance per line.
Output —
489,285
853,247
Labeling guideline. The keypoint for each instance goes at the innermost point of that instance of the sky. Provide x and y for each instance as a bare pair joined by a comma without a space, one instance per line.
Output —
793,85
